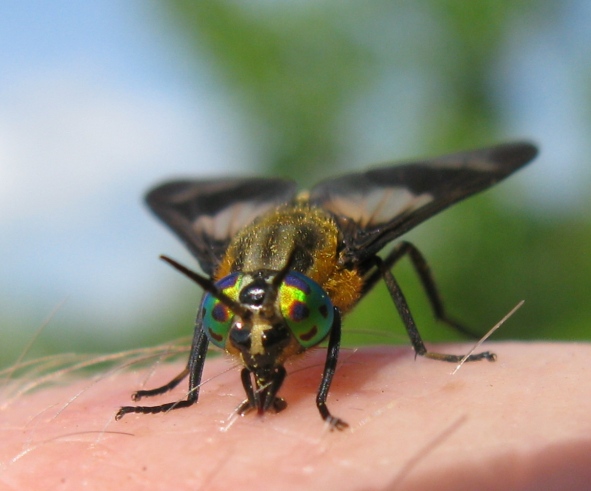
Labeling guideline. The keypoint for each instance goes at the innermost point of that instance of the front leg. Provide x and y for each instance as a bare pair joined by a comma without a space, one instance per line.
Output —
332,355
194,369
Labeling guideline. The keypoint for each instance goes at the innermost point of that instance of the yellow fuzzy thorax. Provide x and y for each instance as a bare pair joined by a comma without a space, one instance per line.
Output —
267,242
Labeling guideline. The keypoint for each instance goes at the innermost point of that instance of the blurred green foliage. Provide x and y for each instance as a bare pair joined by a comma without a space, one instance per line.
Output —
297,68
292,67
302,70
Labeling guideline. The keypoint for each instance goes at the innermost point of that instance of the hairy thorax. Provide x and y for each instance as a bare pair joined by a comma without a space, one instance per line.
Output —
267,243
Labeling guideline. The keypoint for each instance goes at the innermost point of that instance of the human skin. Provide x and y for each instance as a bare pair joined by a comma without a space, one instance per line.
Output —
521,423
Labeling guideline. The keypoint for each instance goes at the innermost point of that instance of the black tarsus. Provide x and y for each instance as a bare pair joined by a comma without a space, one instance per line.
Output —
423,271
383,271
194,369
140,394
332,355
270,392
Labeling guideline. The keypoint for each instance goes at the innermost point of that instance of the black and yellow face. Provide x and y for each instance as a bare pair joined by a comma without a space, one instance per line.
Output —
282,322
281,319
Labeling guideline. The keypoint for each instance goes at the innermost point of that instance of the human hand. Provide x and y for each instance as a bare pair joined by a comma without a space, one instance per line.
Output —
521,423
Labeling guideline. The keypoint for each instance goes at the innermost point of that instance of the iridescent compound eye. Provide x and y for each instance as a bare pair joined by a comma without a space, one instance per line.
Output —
217,317
306,308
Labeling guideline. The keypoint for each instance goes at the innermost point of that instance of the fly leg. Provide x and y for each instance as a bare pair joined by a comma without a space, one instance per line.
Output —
136,396
422,269
407,319
194,369
332,355
262,398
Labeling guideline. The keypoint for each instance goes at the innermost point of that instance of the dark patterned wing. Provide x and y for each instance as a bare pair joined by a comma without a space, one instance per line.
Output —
375,207
207,214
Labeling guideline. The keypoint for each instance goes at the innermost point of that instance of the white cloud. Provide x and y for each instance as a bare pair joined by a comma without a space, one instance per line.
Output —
66,135
77,150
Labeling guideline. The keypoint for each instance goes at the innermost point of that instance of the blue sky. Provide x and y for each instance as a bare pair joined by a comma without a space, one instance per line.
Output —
95,107
98,102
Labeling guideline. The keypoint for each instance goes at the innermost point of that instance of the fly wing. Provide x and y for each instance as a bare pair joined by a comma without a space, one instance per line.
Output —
375,207
205,215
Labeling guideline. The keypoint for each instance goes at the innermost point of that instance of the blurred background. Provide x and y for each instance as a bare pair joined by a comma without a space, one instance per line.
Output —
101,100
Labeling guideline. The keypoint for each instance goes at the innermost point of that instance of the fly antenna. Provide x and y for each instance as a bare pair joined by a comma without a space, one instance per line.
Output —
279,277
272,293
209,286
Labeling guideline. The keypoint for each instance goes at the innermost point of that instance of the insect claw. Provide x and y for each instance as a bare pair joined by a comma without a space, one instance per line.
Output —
279,404
336,423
